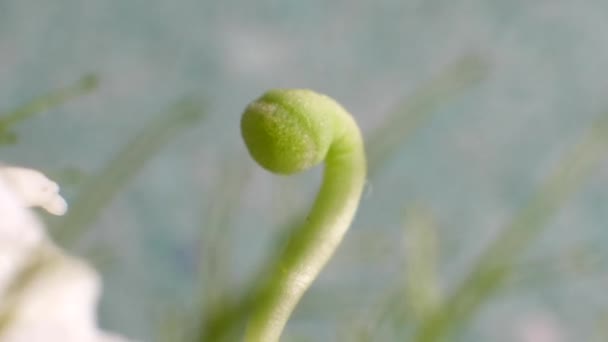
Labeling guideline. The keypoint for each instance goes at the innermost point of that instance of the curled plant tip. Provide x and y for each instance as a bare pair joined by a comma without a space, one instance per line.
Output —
288,131
35,189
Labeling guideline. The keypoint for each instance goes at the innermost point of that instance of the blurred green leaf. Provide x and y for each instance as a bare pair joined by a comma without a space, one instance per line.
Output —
7,137
495,265
422,293
70,176
384,141
600,333
577,261
43,103
214,245
97,193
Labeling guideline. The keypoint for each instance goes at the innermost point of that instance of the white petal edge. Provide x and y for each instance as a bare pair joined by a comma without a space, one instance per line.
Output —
34,189
59,303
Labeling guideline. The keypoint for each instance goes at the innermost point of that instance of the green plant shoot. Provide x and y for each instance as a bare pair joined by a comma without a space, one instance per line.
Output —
287,131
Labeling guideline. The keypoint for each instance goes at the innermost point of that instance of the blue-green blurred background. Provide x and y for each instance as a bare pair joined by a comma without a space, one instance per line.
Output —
473,163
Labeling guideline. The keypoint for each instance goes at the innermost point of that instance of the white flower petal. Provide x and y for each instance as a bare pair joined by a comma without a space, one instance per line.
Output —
35,189
20,234
58,303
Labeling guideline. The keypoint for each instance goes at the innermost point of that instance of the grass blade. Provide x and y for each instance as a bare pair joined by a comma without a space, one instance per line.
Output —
101,189
495,265
382,143
43,103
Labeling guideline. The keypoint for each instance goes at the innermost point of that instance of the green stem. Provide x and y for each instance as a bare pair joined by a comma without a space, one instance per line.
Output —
86,84
287,131
408,116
